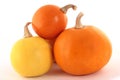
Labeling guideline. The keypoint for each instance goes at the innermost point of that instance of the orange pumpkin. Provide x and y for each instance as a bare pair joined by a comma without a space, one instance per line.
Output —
49,20
51,42
82,50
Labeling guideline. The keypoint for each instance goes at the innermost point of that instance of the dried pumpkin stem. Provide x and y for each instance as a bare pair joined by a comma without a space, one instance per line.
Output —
65,8
26,31
78,22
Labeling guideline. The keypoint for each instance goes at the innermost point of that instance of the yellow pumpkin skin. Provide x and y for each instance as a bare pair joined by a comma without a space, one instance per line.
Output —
31,56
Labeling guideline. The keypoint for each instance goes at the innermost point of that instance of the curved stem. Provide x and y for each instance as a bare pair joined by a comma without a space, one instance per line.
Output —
78,22
65,8
26,31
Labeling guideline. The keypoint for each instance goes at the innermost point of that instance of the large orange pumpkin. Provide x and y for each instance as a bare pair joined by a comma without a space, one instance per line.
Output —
82,49
49,20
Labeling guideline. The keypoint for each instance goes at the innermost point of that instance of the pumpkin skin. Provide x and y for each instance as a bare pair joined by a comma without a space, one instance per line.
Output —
51,42
81,51
31,57
49,20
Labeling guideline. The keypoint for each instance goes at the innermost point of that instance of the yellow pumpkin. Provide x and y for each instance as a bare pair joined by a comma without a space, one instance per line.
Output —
31,56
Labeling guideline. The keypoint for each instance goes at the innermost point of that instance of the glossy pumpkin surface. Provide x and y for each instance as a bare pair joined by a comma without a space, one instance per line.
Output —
81,51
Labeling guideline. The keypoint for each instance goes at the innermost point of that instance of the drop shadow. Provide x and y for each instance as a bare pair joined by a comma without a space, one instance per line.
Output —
56,71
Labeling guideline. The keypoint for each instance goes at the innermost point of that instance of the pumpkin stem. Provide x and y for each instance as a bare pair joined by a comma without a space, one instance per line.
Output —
26,31
78,22
65,8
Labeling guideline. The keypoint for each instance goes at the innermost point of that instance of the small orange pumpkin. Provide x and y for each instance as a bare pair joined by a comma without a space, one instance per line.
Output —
49,20
82,50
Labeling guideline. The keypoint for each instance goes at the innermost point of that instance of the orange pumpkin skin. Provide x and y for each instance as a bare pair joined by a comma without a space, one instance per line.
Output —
49,21
82,51
51,42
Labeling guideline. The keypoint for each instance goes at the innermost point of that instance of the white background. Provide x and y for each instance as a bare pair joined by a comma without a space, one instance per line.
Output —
104,14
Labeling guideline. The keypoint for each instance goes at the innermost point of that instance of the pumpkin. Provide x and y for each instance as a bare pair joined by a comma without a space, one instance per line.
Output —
31,56
83,49
49,20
